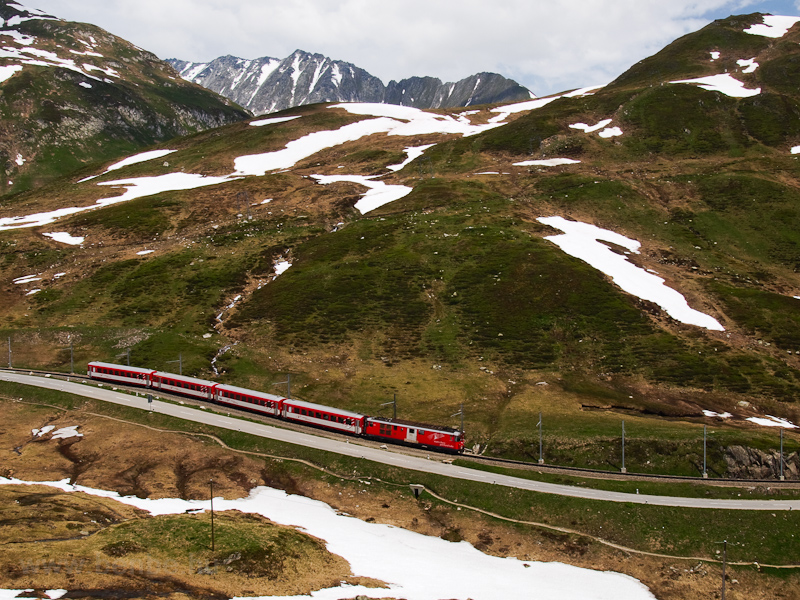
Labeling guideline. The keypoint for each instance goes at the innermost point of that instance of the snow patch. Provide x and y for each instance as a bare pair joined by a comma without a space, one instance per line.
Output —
281,266
750,63
714,56
88,86
65,238
585,241
547,162
26,279
60,434
412,153
723,83
795,150
711,413
8,71
591,128
145,252
770,421
773,26
610,132
272,121
379,192
139,158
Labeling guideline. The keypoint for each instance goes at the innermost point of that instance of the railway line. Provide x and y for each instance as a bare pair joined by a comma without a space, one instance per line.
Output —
407,457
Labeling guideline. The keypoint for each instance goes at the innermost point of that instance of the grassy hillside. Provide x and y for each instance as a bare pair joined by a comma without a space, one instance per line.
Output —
84,95
453,294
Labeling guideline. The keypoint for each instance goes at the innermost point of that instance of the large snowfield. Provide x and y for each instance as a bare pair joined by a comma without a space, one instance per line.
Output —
417,567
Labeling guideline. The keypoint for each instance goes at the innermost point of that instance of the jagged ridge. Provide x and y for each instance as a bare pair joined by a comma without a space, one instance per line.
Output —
266,84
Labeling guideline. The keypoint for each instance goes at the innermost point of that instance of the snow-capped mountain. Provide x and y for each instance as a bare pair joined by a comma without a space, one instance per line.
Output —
266,84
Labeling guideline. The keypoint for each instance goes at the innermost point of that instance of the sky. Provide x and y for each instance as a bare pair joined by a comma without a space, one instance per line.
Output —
546,45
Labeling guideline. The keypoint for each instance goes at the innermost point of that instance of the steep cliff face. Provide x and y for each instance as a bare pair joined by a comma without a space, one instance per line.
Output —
266,84
72,93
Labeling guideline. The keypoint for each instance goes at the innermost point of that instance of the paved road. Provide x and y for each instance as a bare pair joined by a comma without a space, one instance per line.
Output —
357,450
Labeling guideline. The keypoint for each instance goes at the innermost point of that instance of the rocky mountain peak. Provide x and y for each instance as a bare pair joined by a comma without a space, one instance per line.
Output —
266,85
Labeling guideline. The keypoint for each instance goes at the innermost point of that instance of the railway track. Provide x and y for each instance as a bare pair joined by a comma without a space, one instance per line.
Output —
411,451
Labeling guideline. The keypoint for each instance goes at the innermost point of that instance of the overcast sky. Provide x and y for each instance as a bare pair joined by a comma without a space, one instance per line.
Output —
546,45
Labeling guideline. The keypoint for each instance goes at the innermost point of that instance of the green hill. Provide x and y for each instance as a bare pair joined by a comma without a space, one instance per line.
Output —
72,94
455,293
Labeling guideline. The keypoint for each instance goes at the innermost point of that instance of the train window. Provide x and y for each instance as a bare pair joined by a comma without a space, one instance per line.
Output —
410,431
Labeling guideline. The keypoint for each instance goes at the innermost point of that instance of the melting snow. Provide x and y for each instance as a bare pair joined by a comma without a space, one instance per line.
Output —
88,86
65,238
771,421
723,83
774,26
139,158
417,567
272,121
32,292
591,128
412,154
610,132
547,162
584,241
750,63
27,279
8,71
379,193
711,413
145,252
714,55
281,266
795,150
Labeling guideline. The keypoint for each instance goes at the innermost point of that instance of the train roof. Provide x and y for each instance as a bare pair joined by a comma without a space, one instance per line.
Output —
185,378
97,363
416,424
241,390
322,407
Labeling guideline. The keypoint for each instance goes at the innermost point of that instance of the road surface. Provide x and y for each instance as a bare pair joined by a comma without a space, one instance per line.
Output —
104,393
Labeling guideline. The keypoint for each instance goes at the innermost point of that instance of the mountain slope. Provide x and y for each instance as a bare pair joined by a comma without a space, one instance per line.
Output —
72,93
267,85
629,252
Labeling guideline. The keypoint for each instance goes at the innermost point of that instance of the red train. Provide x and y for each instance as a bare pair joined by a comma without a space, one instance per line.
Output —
390,430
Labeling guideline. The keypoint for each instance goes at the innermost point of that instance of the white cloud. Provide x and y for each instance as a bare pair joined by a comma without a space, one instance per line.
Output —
548,46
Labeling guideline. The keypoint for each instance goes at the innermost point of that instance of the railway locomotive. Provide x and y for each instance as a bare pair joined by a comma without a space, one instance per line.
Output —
345,421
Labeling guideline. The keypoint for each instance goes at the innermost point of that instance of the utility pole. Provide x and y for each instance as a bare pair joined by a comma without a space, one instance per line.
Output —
460,413
179,361
71,355
624,470
782,478
724,565
394,407
705,472
211,483
127,353
288,384
541,458
9,352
